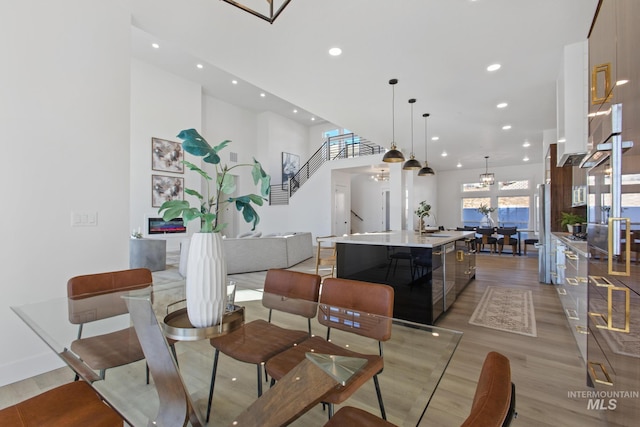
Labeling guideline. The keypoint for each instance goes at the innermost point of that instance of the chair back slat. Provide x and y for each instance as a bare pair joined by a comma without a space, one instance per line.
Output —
348,305
99,296
283,287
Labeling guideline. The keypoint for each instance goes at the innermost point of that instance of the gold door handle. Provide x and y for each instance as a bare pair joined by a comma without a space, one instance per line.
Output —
572,314
572,256
460,256
603,370
561,291
571,281
601,95
600,281
582,330
627,247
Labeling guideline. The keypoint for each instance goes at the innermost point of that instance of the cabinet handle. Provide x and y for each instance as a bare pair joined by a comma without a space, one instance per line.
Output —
581,279
571,281
600,281
601,69
627,247
582,330
561,291
460,256
602,369
608,320
572,256
572,314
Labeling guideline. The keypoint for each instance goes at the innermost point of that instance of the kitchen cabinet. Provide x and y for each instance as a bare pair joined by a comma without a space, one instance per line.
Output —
465,267
571,279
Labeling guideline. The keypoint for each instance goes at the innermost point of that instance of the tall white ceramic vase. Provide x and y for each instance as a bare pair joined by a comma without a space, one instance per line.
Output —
206,280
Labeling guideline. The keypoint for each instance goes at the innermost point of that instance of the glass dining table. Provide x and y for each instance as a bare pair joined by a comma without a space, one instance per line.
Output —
415,357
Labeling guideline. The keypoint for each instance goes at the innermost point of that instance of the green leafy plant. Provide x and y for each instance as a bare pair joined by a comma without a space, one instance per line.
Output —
423,210
569,218
485,209
218,188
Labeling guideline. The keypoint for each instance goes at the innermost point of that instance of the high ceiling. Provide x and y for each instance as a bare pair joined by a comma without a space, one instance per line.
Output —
439,50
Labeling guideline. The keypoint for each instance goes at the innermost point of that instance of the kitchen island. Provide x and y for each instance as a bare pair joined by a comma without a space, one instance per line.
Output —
427,271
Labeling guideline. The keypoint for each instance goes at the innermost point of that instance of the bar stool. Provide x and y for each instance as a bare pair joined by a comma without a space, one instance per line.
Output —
529,242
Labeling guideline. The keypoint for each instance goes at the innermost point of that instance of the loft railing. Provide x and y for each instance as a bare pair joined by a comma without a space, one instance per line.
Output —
335,147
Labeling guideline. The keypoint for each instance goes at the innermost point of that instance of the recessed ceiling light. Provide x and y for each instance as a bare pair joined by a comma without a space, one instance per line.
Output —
295,111
506,127
444,154
335,51
562,140
263,94
622,82
200,66
313,119
155,45
435,138
525,159
494,67
502,105
459,165
235,82
526,144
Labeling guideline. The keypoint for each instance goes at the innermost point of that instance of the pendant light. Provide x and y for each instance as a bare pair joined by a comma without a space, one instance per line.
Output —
487,178
426,170
412,163
393,155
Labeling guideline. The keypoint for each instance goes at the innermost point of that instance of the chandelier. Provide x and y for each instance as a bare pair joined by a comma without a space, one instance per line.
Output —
380,177
267,12
487,178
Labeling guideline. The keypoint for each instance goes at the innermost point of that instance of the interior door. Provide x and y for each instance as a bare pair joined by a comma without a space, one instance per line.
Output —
340,218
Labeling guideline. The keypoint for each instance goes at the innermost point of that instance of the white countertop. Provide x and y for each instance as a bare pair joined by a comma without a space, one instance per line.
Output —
402,238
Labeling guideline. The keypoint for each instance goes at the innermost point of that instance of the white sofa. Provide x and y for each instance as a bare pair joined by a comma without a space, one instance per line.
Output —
246,254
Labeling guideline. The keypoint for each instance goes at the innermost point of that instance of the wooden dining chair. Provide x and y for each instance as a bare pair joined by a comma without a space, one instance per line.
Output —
325,256
494,402
486,238
507,239
257,341
343,302
74,404
95,297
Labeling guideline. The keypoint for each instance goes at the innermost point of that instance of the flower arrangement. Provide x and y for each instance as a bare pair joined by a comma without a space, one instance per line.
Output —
423,209
485,210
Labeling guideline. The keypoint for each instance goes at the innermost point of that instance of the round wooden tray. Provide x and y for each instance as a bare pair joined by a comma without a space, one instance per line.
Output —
177,326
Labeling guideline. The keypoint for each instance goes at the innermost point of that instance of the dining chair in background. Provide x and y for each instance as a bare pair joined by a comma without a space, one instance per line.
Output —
257,341
325,256
343,302
486,238
506,238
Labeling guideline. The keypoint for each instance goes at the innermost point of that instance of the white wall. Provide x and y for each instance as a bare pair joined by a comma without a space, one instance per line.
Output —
449,211
162,105
65,141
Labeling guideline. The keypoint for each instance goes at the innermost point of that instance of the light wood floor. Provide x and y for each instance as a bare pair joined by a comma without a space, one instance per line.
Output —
544,369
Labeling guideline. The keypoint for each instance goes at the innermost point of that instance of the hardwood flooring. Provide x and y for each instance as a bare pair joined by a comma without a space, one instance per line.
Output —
545,369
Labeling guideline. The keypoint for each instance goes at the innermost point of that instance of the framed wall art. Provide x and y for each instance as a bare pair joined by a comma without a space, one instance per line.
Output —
166,156
290,166
164,188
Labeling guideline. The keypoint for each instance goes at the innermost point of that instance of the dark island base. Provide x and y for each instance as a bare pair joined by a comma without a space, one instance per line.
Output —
410,276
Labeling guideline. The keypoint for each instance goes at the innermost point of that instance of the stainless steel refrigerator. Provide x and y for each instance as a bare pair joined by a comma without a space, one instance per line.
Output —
542,226
613,341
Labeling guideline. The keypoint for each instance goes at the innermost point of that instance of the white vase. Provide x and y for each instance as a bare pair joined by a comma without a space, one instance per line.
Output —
206,280
486,222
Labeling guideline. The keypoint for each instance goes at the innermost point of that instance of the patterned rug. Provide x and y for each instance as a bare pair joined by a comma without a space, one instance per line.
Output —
506,309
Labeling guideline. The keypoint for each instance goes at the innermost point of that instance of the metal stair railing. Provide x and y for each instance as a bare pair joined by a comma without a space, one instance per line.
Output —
336,147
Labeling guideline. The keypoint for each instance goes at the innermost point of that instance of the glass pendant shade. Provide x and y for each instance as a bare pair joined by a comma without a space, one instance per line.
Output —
426,170
393,155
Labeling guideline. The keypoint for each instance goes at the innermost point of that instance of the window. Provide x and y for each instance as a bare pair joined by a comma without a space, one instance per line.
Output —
513,211
470,215
513,185
474,186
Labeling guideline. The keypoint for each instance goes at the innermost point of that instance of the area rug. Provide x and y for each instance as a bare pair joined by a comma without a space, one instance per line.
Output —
506,309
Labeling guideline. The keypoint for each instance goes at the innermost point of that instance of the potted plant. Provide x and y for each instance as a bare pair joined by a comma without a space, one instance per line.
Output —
569,219
206,266
423,210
